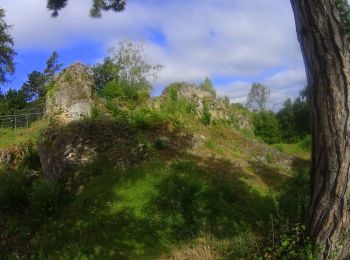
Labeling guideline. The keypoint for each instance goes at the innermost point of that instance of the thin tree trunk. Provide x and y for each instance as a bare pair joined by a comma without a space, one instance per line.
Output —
325,47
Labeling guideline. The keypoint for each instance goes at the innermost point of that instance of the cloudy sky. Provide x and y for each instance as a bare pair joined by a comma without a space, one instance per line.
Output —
234,42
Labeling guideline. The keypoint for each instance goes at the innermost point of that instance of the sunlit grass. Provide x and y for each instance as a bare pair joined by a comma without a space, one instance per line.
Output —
13,137
293,149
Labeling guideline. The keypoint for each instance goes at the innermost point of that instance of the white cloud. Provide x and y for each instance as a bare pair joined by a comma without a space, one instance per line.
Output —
222,38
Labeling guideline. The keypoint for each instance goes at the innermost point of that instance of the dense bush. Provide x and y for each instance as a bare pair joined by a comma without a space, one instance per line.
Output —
266,127
295,118
13,192
206,116
44,200
305,143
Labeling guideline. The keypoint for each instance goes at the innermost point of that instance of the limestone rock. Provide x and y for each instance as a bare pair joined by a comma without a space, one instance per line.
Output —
218,107
65,150
70,97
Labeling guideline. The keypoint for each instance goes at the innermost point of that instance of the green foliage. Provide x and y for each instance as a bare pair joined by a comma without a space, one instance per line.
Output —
173,90
124,76
291,244
306,143
33,91
288,237
146,208
133,70
44,200
52,66
344,9
295,119
240,115
105,72
13,100
287,122
95,113
13,192
207,85
206,116
34,87
96,9
266,127
144,118
258,97
7,65
16,137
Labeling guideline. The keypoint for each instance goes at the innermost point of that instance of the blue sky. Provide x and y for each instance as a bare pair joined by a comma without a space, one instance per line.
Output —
234,42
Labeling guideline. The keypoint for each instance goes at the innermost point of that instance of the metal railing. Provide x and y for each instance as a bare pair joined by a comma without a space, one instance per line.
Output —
21,118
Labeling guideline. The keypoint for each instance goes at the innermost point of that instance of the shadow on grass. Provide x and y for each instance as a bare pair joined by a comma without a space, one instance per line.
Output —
144,211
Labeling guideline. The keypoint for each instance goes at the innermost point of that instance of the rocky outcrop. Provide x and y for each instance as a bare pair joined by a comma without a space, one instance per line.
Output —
65,150
217,107
14,157
70,96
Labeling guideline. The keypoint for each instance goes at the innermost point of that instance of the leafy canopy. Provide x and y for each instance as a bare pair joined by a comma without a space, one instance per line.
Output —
7,53
258,97
96,8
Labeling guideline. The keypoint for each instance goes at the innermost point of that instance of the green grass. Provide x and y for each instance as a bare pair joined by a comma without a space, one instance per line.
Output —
13,137
148,210
164,206
294,149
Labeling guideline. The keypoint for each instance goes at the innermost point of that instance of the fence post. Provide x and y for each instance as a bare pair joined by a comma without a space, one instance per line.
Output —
15,122
27,120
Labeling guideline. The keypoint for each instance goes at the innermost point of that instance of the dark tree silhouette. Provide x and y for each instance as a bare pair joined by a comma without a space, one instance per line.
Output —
96,9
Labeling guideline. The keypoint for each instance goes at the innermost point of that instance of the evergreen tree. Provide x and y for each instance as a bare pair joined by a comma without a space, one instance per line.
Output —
7,53
96,9
34,87
52,66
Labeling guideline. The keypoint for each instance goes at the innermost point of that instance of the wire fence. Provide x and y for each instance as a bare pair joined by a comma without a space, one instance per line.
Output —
21,118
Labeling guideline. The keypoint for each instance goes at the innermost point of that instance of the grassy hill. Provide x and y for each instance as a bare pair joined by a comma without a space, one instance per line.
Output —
201,191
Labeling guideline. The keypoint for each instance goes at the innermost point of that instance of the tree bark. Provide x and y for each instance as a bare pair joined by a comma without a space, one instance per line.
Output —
325,48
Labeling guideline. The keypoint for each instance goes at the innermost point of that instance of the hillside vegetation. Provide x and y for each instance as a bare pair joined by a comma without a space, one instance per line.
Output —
179,176
202,191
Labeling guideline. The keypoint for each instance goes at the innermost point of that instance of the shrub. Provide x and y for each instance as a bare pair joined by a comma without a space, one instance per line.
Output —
266,127
13,192
146,118
206,116
292,243
305,143
44,200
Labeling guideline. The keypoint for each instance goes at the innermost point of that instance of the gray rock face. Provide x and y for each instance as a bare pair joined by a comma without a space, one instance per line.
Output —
70,96
67,149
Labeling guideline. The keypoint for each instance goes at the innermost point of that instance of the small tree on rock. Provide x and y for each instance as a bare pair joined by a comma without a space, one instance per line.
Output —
207,85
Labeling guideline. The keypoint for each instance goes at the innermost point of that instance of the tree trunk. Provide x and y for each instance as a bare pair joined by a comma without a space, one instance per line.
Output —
325,47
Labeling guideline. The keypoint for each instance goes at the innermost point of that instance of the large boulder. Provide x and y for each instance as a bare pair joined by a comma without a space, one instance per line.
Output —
70,96
65,150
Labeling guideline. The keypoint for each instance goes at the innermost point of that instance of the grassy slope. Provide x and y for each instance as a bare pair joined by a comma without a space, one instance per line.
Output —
13,137
216,198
